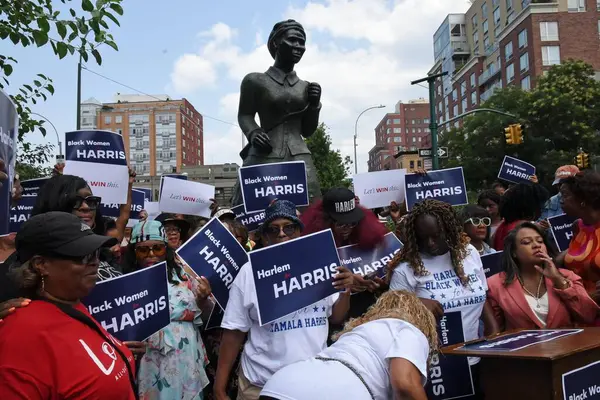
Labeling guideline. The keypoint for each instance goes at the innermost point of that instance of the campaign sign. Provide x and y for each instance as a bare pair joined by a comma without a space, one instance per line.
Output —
186,197
213,252
492,263
562,230
261,184
114,210
21,212
515,170
294,274
252,221
31,187
147,193
446,185
449,376
132,307
370,262
582,383
520,340
375,190
99,158
9,126
152,209
174,176
215,318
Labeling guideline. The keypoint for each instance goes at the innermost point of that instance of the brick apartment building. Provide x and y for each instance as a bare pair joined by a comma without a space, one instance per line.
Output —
161,135
406,129
509,42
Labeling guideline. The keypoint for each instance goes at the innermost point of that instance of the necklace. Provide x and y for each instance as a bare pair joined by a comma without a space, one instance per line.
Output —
537,295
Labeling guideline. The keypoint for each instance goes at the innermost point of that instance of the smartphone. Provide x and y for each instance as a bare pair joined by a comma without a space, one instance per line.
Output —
60,159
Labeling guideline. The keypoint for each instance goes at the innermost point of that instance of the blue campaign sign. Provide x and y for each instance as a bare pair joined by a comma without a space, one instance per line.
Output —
370,262
492,263
446,185
147,192
132,307
31,187
261,184
102,147
582,383
449,376
562,230
21,212
213,252
137,205
294,274
251,221
515,170
9,125
520,340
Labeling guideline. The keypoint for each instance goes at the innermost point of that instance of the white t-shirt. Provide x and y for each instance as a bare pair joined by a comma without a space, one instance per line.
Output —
269,348
442,285
368,348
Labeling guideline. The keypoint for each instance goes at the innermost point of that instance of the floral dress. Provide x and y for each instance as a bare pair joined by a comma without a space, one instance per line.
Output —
174,364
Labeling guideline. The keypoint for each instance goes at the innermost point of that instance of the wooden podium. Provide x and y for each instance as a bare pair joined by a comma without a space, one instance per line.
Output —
535,372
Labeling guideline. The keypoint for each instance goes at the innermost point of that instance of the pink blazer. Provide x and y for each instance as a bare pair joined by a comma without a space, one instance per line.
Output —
566,308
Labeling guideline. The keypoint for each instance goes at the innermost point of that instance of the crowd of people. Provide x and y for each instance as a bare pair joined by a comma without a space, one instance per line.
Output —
378,334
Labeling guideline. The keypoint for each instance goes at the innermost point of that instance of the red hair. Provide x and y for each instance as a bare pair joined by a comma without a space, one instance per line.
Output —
367,235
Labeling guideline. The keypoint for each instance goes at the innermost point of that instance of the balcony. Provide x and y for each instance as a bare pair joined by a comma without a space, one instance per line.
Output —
491,49
460,47
488,74
488,93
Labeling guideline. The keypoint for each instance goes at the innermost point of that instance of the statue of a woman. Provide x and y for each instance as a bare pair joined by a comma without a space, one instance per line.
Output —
288,108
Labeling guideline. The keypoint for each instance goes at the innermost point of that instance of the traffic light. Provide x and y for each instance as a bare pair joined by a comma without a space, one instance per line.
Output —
518,133
579,160
509,133
585,160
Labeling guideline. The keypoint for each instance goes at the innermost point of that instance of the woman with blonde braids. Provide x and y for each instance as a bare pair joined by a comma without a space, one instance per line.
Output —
438,264
381,355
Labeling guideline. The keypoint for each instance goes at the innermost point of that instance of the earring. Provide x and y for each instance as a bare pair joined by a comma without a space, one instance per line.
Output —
43,284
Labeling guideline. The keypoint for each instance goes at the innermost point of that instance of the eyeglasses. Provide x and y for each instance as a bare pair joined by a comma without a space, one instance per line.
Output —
288,230
93,202
158,250
172,229
346,226
485,221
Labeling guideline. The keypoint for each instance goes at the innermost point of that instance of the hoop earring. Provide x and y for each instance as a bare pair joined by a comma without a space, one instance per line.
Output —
43,284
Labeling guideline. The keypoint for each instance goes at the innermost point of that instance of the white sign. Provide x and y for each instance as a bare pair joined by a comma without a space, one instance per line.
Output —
442,152
152,209
379,189
186,197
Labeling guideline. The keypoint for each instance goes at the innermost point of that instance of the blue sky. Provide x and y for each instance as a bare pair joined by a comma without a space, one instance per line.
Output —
362,52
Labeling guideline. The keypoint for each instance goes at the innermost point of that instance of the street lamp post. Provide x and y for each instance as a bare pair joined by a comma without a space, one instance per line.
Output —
55,131
356,133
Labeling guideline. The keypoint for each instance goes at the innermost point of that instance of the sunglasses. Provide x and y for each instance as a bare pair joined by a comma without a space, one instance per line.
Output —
485,221
288,230
93,202
172,229
346,226
159,250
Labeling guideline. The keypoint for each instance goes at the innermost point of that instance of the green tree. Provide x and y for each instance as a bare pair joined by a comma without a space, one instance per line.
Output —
32,160
38,23
559,116
332,169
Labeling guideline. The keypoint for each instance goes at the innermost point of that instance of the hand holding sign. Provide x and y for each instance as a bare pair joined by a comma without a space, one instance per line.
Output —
203,290
344,280
434,306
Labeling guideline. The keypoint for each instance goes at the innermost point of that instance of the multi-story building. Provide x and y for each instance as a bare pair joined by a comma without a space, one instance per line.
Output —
407,128
509,42
161,135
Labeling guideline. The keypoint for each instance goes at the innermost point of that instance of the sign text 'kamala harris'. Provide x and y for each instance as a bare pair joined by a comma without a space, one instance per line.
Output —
520,340
449,376
9,125
132,307
213,252
186,197
582,383
261,184
515,170
370,262
31,187
294,274
492,263
137,205
252,221
446,185
562,230
21,212
99,158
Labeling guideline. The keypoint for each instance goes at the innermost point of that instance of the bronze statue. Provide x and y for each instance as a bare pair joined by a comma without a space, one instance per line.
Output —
288,108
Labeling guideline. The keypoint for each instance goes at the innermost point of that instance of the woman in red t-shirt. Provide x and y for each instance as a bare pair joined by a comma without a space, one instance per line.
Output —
53,348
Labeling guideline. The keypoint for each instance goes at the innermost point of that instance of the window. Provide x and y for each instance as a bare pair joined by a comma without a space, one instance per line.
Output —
524,62
419,139
414,130
576,5
412,121
463,88
454,95
510,18
398,139
473,80
419,130
389,140
484,10
455,111
526,83
464,104
474,21
389,121
485,26
497,30
508,51
550,55
118,119
510,73
475,38
412,164
523,38
397,130
508,5
414,139
396,120
107,119
549,31
388,130
497,15
425,120
486,42
474,99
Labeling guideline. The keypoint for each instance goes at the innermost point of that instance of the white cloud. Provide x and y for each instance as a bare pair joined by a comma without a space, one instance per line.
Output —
362,52
192,72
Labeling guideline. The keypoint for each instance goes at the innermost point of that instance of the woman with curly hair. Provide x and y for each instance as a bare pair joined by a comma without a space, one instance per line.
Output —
438,264
383,354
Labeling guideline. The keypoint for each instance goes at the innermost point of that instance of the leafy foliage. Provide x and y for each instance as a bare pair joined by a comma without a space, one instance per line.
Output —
31,161
332,169
559,116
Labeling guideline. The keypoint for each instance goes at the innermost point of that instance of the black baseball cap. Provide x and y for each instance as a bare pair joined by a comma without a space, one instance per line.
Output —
340,205
58,233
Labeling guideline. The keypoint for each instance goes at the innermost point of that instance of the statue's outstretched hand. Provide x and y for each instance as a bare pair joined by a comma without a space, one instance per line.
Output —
260,139
314,94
